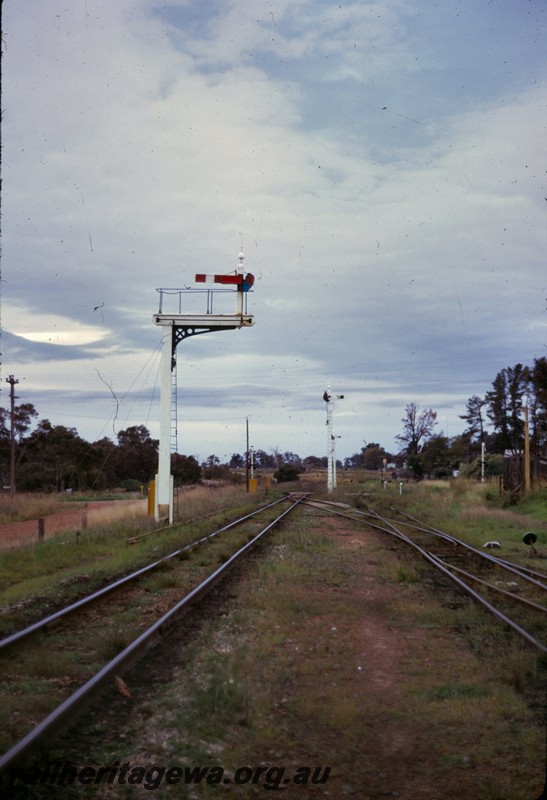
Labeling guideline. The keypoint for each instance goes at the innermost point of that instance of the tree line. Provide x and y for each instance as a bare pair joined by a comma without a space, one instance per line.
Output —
55,458
496,424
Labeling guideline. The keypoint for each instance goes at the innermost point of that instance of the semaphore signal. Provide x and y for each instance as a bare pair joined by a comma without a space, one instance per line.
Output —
177,326
331,450
243,282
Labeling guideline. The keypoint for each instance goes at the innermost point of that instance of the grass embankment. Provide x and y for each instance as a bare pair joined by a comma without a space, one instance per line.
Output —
468,510
33,579
333,654
42,671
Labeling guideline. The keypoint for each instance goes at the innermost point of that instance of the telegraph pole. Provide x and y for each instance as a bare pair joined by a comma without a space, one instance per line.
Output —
12,381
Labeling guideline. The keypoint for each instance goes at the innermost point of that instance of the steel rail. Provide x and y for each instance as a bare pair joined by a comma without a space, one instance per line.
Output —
437,562
495,588
527,570
127,657
484,602
522,572
445,568
178,523
36,626
508,565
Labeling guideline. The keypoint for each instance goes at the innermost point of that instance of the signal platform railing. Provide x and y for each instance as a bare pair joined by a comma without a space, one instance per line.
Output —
185,301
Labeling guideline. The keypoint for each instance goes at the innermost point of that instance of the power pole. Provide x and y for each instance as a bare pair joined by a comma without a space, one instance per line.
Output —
12,381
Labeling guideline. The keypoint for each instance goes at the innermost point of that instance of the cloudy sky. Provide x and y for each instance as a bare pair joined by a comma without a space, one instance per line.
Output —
382,164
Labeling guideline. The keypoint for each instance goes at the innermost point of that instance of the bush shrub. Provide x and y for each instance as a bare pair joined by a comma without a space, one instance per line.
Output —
287,472
130,485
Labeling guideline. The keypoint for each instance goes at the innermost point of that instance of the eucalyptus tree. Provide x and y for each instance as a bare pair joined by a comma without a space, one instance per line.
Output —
417,428
137,454
23,415
56,457
373,456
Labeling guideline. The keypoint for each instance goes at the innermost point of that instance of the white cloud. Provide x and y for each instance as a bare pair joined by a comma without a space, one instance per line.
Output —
51,328
384,214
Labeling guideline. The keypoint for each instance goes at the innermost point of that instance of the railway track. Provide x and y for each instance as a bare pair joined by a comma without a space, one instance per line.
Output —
514,594
158,564
36,654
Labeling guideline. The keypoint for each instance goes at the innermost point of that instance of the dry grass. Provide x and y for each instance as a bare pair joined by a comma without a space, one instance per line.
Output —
480,513
197,501
29,506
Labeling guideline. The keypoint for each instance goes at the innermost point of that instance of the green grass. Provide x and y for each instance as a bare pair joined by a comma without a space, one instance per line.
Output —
222,695
469,510
534,505
64,565
454,691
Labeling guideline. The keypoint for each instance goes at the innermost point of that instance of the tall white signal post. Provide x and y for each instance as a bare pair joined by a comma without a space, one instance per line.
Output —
331,454
178,326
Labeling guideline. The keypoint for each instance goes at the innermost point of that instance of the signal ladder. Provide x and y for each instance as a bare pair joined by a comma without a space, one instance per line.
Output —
174,432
